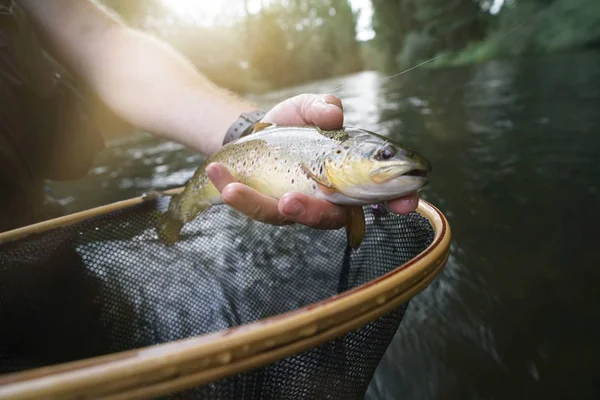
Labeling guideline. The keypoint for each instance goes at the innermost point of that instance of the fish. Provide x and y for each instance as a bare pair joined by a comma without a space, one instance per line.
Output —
350,167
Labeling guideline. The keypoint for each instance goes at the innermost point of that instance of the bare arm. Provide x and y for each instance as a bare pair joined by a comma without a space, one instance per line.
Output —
151,86
142,79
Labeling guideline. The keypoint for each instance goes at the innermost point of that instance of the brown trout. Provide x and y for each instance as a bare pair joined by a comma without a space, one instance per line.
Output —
349,167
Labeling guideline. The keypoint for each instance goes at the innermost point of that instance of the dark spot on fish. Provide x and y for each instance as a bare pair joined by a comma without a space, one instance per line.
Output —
338,152
288,170
314,187
321,169
292,181
346,147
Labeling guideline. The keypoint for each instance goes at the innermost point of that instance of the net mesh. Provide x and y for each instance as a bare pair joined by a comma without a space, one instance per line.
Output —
107,284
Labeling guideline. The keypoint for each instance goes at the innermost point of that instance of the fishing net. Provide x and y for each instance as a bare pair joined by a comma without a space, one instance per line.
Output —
105,284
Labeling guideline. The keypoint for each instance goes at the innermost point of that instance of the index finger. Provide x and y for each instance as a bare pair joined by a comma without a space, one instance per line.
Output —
404,205
312,212
324,111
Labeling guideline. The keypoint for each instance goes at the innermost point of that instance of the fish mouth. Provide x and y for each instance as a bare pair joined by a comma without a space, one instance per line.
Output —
422,173
392,172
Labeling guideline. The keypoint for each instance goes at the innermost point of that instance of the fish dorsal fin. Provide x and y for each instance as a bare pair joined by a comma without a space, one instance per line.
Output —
338,135
259,126
355,228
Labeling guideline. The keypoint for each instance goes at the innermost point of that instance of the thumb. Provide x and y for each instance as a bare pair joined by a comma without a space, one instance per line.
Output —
324,111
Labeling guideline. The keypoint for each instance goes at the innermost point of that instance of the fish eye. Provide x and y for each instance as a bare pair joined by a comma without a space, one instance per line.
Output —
385,153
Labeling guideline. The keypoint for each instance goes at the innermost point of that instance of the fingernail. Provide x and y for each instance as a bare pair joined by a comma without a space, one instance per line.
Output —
328,100
293,208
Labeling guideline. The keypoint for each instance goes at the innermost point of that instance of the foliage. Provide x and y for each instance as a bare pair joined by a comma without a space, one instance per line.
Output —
293,41
287,42
458,32
551,25
408,31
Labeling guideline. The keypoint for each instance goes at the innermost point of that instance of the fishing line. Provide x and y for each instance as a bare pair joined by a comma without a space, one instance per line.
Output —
392,76
427,61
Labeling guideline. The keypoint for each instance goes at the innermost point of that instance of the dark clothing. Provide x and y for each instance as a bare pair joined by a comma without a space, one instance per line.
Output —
45,129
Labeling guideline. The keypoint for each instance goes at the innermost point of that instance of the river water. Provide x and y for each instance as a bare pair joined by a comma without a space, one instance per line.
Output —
515,148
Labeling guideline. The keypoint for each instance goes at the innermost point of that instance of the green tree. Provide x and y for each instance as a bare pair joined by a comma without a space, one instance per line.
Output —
287,42
409,31
292,42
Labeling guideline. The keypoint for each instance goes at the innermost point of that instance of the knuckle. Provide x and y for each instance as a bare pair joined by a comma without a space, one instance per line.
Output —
306,106
315,219
231,195
332,220
256,211
262,212
324,215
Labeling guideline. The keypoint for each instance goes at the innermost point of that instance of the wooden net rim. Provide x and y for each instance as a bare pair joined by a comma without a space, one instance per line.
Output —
178,365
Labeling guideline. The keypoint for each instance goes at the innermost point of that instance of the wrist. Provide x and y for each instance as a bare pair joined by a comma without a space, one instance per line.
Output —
203,117
243,125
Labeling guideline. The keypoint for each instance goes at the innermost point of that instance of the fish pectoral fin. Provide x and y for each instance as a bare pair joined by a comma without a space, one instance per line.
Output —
321,181
259,126
355,228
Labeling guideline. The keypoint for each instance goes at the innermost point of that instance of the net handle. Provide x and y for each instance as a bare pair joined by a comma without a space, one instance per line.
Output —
71,219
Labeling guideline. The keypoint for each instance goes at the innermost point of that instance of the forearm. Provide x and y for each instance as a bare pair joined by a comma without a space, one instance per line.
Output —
154,88
142,79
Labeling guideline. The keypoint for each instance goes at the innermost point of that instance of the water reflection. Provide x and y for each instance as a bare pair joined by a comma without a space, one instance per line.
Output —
511,183
514,148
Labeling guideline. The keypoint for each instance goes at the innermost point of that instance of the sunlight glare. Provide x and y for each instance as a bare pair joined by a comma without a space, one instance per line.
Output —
199,12
496,6
254,6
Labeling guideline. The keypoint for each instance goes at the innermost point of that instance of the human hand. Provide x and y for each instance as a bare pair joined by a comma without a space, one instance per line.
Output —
324,111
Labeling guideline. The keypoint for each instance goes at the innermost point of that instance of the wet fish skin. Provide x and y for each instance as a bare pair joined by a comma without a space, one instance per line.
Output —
349,167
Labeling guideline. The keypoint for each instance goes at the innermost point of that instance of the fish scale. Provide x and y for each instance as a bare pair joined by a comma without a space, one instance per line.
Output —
272,163
334,165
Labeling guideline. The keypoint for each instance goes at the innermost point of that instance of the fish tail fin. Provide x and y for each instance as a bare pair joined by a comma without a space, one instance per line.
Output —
180,211
169,228
170,222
